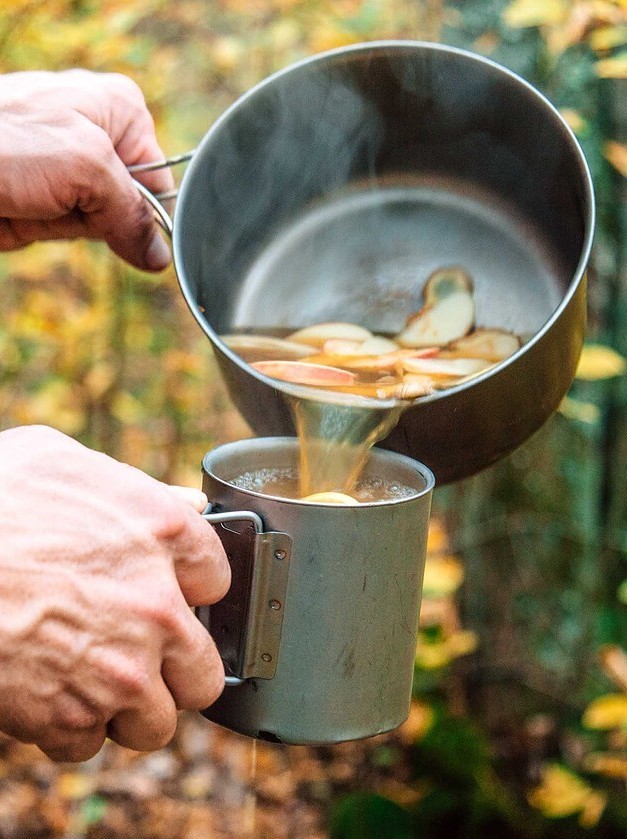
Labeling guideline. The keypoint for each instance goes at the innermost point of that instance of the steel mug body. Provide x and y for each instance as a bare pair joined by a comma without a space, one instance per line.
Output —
333,615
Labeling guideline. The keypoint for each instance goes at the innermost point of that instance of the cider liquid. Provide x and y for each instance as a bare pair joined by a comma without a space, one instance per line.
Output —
334,440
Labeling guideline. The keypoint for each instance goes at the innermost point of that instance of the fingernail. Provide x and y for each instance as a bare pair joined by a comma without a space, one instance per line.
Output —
157,256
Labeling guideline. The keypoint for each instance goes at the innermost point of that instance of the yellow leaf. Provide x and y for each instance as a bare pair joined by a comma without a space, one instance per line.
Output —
574,119
462,642
561,793
614,661
74,785
608,764
592,810
443,576
57,403
616,153
433,655
437,538
612,68
600,362
327,37
523,13
608,37
607,712
127,409
575,409
99,378
419,721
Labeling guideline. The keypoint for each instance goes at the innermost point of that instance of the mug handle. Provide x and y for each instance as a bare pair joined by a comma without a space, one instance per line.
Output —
247,623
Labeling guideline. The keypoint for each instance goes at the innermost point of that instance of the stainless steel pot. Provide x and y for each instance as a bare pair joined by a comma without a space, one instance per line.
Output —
335,187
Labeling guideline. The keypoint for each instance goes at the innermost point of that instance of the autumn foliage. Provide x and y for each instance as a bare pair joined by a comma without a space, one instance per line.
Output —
113,357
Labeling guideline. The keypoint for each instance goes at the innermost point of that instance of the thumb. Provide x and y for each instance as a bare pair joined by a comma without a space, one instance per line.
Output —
196,498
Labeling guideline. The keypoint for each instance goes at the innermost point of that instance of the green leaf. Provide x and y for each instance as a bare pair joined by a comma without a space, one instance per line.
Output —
365,815
93,809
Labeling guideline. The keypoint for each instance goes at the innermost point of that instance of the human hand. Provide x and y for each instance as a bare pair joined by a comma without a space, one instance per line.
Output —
65,142
99,564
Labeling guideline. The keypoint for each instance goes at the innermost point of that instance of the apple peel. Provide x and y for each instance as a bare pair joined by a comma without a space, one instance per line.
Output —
250,345
304,373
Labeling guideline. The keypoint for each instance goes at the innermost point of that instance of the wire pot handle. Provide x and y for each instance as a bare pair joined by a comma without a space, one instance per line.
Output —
161,214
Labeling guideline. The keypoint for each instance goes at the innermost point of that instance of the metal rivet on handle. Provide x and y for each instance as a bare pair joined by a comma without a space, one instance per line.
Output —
266,657
274,604
280,554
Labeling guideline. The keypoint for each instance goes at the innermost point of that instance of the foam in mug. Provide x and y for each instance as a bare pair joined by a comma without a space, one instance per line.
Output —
325,598
285,483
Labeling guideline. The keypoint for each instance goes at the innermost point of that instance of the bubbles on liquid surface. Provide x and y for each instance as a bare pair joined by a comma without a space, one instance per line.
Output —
377,489
284,483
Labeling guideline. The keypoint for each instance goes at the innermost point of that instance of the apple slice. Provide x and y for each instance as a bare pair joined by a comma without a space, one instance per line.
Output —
445,281
446,320
304,373
445,366
491,344
374,363
250,346
316,334
340,346
409,387
415,385
375,345
330,497
378,345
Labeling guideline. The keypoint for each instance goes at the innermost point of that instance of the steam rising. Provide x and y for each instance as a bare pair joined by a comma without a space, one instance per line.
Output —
333,190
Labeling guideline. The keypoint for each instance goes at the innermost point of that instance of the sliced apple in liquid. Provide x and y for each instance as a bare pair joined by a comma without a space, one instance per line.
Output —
445,367
446,320
375,345
330,497
304,373
378,345
444,282
490,344
373,363
316,334
249,346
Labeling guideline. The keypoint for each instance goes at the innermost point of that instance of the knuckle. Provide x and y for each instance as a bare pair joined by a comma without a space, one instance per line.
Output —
172,519
125,675
131,682
171,620
163,613
125,85
74,714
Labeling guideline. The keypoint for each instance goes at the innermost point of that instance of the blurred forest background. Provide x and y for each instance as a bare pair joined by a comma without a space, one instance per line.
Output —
519,726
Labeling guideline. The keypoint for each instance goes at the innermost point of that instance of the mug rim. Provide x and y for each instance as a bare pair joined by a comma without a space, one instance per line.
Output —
292,444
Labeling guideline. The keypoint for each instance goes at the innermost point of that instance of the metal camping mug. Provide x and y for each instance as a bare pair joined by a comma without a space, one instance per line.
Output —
318,631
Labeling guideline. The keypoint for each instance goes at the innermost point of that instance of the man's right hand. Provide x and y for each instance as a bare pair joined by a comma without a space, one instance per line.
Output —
99,565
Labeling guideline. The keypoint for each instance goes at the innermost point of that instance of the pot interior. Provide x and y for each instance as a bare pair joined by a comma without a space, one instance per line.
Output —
336,188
